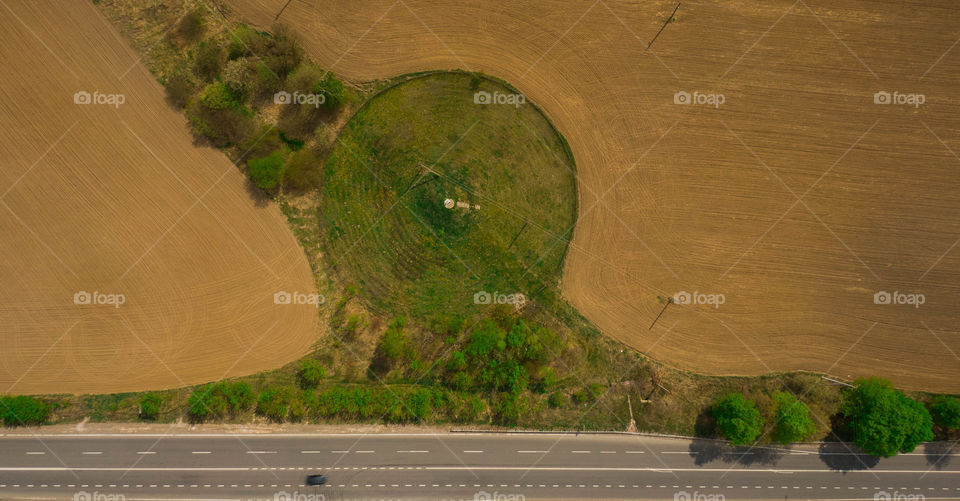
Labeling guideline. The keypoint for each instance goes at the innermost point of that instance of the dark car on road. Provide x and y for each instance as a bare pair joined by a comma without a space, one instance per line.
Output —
316,479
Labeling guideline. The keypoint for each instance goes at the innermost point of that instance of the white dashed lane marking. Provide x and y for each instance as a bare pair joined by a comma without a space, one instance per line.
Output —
92,453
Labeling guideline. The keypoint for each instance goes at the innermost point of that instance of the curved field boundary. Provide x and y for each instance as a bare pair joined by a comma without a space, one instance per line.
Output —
107,199
795,196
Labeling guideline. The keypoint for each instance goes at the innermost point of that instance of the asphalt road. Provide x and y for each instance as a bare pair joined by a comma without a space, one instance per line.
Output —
457,466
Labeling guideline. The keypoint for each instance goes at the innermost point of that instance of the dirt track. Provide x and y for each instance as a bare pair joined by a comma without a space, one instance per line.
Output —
103,198
687,205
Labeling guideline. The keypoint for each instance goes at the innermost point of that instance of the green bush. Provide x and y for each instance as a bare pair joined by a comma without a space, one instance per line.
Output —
216,400
190,27
275,403
22,410
882,420
738,419
217,96
208,60
311,373
557,400
946,412
179,90
394,343
267,171
304,172
150,404
793,422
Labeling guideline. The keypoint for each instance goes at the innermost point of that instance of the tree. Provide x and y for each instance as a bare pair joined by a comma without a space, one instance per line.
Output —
946,412
150,406
738,419
267,171
793,422
311,373
23,410
882,420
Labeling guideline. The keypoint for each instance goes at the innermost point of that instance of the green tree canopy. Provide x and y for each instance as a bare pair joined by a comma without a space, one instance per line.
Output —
884,421
267,171
738,419
946,412
793,422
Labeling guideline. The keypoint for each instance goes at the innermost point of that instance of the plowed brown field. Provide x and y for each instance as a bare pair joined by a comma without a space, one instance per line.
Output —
701,198
117,200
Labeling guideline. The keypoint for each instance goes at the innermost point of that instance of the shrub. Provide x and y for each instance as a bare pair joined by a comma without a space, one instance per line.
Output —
179,89
946,412
884,421
275,403
581,397
217,96
304,172
23,410
267,171
394,342
738,419
150,405
208,59
793,422
190,26
244,41
215,400
557,400
311,373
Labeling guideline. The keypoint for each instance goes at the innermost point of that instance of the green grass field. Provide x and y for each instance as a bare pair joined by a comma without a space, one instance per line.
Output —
419,143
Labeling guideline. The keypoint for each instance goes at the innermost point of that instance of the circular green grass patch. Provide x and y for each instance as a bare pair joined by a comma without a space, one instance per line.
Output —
469,142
